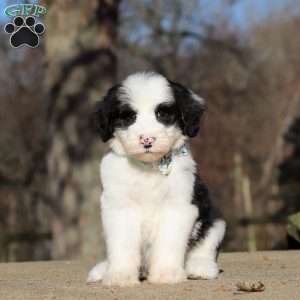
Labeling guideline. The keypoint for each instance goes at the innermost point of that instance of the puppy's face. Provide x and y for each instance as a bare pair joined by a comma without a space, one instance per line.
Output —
146,116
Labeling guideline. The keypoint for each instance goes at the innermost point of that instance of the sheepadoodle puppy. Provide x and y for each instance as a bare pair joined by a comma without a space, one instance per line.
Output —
158,220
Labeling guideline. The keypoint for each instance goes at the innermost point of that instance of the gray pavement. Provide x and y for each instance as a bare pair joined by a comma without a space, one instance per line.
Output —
278,271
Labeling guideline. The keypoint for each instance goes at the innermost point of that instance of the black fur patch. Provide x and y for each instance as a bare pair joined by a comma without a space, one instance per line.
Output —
207,213
111,113
189,109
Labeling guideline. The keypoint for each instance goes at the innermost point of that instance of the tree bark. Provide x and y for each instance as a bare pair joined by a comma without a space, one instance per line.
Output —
80,42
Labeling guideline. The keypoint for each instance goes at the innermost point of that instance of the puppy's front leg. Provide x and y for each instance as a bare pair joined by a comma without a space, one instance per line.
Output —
166,263
122,230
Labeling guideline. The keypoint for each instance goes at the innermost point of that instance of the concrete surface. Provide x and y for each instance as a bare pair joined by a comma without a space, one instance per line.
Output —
279,271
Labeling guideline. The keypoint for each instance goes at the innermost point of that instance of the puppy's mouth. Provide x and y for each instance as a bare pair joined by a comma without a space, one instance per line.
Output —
149,156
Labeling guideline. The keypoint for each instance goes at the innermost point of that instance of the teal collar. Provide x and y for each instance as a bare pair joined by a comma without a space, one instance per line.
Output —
164,165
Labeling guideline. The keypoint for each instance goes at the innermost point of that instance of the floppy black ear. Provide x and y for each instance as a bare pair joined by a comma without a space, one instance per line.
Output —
191,108
103,116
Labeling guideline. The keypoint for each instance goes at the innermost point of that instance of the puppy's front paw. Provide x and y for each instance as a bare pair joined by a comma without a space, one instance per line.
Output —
97,272
120,279
202,269
167,275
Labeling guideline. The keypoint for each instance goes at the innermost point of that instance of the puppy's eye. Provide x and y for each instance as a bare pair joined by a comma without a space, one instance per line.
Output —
126,115
125,118
166,114
162,114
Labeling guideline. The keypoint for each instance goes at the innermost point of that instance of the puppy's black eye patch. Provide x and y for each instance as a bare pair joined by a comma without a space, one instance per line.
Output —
166,113
124,117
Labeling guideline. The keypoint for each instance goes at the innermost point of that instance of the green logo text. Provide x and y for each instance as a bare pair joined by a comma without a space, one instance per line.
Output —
25,10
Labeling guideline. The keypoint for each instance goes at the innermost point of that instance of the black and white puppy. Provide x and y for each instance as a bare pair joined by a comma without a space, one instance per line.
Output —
157,215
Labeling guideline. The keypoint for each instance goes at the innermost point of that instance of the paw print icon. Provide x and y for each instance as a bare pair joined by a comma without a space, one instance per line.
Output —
24,31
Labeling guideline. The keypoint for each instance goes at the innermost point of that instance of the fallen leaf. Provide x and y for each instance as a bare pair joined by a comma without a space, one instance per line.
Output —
250,286
283,267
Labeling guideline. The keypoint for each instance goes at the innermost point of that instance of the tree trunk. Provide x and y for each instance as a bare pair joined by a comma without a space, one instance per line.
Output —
80,41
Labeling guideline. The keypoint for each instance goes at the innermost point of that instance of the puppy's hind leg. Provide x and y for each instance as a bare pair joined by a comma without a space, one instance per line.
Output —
97,272
201,260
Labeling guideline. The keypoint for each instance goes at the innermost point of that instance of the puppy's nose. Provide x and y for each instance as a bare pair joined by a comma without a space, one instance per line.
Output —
147,141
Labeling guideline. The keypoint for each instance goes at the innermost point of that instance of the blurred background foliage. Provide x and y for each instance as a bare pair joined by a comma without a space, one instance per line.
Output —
241,55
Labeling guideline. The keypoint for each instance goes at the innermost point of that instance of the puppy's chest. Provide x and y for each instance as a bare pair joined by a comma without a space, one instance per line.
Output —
145,189
150,194
149,189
